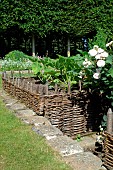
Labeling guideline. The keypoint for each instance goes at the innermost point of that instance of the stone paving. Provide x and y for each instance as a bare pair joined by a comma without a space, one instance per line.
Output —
74,153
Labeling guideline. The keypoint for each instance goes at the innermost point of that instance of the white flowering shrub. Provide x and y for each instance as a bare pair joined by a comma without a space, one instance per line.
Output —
97,72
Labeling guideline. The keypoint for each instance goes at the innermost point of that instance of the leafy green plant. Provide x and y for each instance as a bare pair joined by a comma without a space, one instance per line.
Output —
45,70
16,56
99,75
16,60
61,70
69,69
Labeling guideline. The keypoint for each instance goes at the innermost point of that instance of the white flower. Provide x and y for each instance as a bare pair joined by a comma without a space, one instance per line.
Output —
100,63
92,52
86,63
100,50
109,44
96,75
105,54
98,56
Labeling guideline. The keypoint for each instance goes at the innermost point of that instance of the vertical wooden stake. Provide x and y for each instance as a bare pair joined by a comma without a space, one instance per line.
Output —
13,80
31,87
46,89
18,81
69,88
27,85
41,89
37,89
109,121
80,86
56,88
5,76
8,78
23,82
11,74
20,73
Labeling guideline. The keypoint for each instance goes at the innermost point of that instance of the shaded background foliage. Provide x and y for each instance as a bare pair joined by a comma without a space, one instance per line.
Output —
52,22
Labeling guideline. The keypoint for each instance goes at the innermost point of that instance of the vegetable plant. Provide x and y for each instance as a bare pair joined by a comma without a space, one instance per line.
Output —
61,70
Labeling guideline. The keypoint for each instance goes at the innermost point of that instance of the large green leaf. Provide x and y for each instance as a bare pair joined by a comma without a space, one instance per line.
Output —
109,59
111,72
36,67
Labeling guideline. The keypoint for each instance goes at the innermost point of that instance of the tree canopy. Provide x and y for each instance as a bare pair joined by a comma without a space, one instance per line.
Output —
54,18
67,16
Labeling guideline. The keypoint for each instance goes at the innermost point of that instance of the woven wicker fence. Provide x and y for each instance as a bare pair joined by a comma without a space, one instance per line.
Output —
73,113
108,144
108,160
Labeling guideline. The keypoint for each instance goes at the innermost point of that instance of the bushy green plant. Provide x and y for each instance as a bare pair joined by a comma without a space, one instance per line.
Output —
16,60
97,75
16,56
98,72
61,70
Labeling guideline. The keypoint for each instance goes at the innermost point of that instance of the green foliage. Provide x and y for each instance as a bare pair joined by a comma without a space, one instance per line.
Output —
45,69
16,56
103,83
43,17
16,60
61,70
99,39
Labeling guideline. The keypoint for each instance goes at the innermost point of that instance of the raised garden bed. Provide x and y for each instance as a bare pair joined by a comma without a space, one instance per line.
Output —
73,112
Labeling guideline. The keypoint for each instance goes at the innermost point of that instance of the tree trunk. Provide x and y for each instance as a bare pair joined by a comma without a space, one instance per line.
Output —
68,47
33,45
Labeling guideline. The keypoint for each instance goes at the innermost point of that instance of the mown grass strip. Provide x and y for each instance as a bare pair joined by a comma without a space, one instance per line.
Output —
21,148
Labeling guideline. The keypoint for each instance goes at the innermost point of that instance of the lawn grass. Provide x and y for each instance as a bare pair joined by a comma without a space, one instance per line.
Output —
21,148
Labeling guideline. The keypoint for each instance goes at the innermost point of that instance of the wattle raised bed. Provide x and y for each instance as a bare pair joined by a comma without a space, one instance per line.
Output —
75,112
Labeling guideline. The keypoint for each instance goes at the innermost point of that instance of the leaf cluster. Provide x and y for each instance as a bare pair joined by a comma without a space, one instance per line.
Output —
61,70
